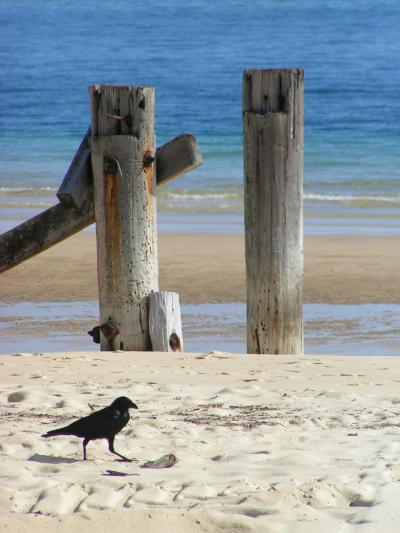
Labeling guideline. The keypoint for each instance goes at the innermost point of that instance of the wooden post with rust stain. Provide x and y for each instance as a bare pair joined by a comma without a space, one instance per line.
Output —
123,151
273,117
76,210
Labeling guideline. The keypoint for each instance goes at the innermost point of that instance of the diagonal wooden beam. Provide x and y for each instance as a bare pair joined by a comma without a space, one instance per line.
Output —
66,218
42,231
76,186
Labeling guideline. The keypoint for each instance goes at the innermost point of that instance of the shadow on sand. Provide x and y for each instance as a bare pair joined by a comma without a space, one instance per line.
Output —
48,459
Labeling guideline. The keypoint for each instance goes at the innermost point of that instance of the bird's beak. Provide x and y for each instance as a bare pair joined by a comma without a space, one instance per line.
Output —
134,406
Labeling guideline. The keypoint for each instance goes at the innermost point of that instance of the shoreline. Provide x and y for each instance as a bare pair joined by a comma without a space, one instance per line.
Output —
186,219
329,329
210,268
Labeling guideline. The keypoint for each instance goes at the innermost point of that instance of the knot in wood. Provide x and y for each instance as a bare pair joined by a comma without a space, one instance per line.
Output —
174,342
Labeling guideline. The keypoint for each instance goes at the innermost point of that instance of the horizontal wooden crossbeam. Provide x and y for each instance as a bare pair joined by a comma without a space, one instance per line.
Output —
176,157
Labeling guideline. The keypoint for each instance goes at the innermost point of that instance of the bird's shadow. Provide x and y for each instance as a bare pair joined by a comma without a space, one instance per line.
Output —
51,459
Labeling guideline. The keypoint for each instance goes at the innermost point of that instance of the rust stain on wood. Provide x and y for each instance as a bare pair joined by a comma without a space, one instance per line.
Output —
148,162
111,211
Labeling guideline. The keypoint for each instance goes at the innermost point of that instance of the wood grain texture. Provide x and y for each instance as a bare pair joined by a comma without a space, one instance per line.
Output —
176,157
41,232
165,321
76,186
273,164
125,210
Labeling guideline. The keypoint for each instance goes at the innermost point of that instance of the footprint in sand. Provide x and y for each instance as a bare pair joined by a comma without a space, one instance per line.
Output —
151,496
360,495
58,500
17,396
199,491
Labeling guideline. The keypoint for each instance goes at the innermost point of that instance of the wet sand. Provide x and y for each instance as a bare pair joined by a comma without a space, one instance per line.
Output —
210,268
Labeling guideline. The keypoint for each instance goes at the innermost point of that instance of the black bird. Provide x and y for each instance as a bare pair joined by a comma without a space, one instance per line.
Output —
103,424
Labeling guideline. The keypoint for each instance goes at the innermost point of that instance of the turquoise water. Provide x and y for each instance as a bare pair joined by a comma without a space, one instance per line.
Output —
328,329
194,53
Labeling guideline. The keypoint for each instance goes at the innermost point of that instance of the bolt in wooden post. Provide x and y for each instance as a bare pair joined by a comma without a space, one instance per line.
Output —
123,151
273,117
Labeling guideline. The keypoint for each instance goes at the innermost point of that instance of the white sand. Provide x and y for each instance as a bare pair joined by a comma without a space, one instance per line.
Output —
269,444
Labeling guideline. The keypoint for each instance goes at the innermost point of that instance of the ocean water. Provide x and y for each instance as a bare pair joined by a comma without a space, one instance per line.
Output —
194,53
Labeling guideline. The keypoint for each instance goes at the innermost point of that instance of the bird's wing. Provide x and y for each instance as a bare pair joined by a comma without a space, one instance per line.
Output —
103,423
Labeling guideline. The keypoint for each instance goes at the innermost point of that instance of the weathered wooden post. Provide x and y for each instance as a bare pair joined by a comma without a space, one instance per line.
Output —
273,117
165,322
123,154
117,155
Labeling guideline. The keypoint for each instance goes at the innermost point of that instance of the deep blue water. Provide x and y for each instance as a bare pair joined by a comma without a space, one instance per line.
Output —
194,53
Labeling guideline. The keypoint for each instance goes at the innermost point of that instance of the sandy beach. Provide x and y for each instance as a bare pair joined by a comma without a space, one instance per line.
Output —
294,108
210,268
267,444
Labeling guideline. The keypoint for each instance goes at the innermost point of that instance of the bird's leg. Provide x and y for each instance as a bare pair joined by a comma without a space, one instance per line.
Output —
111,448
84,444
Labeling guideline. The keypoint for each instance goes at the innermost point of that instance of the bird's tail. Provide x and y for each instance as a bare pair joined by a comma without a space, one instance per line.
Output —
54,432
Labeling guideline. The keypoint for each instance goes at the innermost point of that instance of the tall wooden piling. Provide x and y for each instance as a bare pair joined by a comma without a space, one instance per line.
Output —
123,152
273,117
